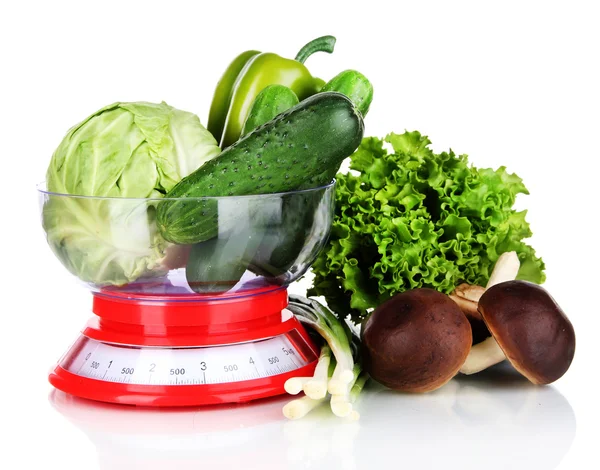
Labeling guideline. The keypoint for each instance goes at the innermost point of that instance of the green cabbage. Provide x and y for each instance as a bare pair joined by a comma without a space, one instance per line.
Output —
125,150
414,218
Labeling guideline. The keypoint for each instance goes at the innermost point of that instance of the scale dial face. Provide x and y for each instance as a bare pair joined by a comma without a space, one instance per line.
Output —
144,365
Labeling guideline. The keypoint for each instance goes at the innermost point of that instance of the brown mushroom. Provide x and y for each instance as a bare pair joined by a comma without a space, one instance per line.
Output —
416,341
467,295
529,328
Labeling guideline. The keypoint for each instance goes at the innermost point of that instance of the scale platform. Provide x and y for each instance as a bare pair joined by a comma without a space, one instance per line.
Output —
162,351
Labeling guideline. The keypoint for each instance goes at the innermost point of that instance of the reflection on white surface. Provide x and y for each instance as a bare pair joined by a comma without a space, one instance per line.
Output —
497,420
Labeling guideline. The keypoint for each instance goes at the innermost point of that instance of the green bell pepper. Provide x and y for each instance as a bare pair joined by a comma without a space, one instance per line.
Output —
248,75
222,97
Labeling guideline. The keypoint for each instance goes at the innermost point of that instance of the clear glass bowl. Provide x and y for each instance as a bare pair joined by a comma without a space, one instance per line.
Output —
115,246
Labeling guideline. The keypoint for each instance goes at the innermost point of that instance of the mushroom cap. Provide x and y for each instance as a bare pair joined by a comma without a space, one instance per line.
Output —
416,341
532,330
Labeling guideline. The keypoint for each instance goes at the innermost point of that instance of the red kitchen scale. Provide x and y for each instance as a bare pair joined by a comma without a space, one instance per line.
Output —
165,351
155,338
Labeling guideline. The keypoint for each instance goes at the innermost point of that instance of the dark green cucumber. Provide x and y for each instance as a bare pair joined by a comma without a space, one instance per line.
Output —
355,86
271,101
290,244
216,265
282,244
322,179
312,137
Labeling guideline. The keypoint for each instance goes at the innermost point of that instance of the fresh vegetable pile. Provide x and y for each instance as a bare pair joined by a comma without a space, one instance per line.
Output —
424,256
280,129
426,272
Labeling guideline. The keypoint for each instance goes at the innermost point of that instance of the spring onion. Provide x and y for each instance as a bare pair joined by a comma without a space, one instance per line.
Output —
300,407
317,386
337,373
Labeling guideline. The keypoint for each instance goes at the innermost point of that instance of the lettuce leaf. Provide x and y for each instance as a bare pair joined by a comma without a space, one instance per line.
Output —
412,218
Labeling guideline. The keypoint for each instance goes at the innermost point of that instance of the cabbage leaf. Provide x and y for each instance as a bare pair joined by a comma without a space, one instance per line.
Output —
125,150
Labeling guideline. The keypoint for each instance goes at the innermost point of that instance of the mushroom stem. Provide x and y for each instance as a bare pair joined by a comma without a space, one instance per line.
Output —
483,355
488,353
506,269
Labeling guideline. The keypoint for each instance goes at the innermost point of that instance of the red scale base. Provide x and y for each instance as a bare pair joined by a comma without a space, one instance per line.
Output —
153,322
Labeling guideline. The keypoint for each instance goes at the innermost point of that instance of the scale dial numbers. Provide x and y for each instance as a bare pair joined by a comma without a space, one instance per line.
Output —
185,366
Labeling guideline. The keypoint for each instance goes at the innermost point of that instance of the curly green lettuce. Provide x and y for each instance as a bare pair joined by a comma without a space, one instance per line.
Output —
413,218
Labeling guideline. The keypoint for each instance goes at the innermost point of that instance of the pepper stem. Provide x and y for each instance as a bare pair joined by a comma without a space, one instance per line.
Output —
322,44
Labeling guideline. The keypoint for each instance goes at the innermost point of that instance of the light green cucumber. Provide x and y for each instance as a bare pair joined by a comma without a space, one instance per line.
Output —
355,86
271,101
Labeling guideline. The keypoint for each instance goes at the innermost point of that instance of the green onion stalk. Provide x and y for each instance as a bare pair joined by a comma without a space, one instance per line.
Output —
338,372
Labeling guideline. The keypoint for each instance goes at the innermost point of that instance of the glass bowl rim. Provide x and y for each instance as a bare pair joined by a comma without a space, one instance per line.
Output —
41,188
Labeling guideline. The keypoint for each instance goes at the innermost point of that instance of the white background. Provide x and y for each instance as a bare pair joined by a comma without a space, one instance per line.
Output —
509,83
